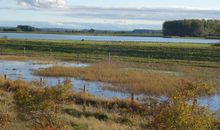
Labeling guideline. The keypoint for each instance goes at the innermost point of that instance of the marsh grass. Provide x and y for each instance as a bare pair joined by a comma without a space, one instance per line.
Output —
123,79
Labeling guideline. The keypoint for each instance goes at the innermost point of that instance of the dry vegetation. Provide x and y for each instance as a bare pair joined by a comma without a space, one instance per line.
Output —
25,106
125,79
148,78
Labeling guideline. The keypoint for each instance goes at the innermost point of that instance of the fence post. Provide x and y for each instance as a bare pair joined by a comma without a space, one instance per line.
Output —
109,57
132,103
84,98
24,50
59,82
132,97
5,76
50,52
41,82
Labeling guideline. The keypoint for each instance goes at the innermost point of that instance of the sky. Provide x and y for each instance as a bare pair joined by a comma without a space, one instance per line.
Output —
104,14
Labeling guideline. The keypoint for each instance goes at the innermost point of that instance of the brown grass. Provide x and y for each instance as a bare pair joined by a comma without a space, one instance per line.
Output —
125,79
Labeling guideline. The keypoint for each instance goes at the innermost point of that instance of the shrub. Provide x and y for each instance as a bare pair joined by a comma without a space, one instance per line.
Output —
40,106
6,108
97,115
177,113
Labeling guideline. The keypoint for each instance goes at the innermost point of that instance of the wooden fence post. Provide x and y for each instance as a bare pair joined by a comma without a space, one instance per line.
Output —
5,76
59,82
41,82
132,97
24,50
132,103
84,98
50,52
109,57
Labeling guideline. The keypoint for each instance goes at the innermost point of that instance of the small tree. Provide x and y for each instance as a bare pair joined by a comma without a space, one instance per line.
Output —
91,31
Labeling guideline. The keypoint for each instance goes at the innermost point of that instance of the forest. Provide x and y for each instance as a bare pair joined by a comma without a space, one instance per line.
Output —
192,28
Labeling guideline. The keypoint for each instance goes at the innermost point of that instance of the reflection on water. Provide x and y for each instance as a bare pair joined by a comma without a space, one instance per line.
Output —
23,70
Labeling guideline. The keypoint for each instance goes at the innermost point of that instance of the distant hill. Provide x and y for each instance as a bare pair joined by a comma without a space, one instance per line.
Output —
27,28
146,31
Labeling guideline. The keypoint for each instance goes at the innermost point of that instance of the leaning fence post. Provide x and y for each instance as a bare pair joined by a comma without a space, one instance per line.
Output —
5,76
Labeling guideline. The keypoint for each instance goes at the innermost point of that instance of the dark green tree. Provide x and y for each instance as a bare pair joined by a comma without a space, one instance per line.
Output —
26,28
193,27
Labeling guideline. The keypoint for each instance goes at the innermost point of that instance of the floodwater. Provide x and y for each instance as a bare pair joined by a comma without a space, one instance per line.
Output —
106,38
24,70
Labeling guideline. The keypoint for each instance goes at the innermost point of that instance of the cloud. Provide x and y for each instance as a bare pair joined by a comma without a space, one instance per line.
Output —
80,25
63,15
42,3
153,14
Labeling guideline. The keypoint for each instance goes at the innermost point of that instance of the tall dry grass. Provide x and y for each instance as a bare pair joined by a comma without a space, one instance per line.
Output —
122,79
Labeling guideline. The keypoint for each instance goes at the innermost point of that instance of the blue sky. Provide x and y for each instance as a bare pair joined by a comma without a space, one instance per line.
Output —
104,14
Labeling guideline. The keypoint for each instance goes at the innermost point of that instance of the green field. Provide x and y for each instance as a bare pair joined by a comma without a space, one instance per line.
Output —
93,51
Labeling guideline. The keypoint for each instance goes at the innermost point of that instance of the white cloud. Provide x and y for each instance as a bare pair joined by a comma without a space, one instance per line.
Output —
43,3
63,15
150,14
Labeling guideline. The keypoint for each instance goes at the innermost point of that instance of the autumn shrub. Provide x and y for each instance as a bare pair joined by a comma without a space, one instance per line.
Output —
41,107
15,85
59,93
181,111
6,108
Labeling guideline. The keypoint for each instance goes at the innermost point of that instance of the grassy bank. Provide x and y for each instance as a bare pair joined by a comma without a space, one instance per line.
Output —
94,51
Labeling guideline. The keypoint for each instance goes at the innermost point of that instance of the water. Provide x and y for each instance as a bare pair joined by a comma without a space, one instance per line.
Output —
23,70
106,38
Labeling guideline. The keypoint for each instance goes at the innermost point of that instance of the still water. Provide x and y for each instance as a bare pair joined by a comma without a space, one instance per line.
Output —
106,38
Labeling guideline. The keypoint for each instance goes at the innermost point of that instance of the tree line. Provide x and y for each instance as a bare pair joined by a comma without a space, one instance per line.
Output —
19,28
193,27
